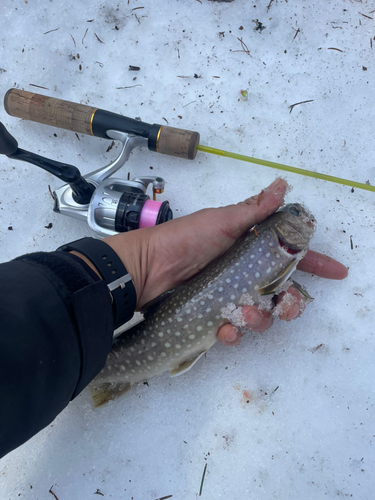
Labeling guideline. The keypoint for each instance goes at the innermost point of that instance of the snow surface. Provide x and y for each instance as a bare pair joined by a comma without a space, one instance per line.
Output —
312,437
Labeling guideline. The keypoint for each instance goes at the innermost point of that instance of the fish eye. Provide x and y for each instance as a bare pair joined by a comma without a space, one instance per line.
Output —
295,210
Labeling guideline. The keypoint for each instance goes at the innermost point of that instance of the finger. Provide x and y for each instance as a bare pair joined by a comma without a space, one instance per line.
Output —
323,266
290,305
255,319
229,335
236,219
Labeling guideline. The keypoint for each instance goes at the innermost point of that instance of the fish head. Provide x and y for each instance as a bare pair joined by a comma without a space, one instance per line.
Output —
294,226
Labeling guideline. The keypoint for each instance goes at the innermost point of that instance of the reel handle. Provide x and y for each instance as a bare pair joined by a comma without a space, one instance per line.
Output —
88,120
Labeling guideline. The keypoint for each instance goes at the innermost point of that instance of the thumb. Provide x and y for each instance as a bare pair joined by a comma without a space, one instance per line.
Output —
244,215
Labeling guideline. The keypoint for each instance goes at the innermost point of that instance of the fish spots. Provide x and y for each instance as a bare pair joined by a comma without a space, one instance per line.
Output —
177,346
178,334
150,358
163,354
123,368
208,310
179,320
199,328
252,256
268,270
186,326
192,336
256,287
162,323
202,302
210,296
220,289
176,353
167,345
259,262
273,263
153,344
268,255
170,320
138,363
188,311
161,334
257,275
232,297
228,280
209,323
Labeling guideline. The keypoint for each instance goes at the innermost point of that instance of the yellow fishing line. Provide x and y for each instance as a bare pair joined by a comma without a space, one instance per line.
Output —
286,168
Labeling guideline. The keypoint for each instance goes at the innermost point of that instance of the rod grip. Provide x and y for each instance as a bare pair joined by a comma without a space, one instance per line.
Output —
49,111
177,142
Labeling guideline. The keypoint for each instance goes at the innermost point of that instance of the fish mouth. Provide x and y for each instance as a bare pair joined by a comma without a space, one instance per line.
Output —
291,251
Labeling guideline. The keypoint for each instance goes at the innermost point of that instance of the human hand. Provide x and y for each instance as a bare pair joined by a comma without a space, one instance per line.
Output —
162,257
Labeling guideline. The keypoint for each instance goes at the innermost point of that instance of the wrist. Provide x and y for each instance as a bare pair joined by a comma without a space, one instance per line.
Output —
86,261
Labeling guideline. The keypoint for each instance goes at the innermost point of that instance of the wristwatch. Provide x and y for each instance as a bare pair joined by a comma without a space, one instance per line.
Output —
113,272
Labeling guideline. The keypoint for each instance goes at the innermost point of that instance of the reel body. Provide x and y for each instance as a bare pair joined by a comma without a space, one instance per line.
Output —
109,205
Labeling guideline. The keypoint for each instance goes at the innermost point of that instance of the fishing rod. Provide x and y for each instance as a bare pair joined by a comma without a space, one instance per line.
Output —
171,141
115,205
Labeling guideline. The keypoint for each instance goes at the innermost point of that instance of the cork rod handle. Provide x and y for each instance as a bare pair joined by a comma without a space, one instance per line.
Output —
93,121
49,111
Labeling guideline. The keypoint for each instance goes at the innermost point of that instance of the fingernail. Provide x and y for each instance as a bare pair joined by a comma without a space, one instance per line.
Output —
231,335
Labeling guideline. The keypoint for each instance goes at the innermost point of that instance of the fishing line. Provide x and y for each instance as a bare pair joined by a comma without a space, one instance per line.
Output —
286,168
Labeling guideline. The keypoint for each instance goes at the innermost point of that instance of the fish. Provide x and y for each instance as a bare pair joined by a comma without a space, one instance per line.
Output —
181,325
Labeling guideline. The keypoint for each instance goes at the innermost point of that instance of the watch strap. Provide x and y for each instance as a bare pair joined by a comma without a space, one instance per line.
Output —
113,272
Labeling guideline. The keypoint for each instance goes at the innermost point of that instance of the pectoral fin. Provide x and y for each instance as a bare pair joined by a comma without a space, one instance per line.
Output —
303,291
185,365
103,393
279,280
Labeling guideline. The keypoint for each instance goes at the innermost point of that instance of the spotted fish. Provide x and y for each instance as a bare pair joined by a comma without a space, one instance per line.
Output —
182,324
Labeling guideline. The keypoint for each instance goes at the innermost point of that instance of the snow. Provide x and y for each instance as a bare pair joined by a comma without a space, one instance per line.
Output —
312,437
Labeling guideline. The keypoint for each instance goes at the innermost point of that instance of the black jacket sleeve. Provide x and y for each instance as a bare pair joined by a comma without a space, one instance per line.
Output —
56,328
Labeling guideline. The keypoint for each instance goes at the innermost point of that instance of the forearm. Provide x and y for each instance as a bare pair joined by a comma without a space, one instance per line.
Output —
56,329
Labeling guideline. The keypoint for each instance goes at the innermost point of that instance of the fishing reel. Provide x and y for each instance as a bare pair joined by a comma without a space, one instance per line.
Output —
109,205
